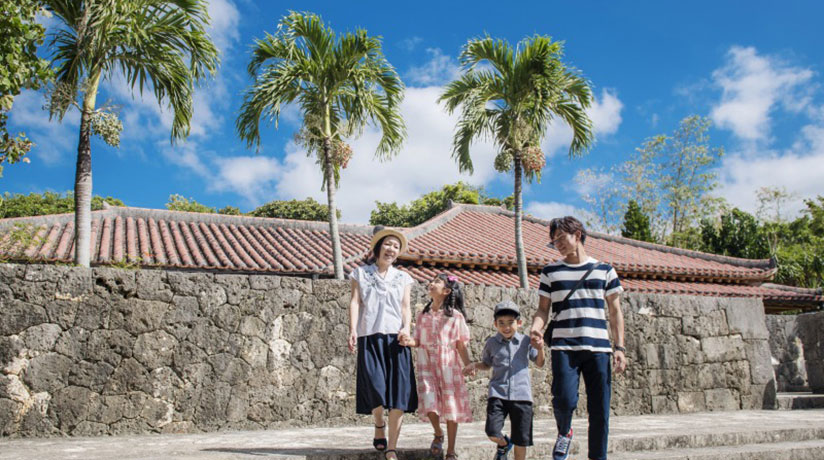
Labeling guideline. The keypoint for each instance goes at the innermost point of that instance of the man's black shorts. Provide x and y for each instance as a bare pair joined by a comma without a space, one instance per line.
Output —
520,417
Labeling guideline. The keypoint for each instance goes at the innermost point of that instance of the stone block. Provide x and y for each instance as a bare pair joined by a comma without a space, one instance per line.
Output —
114,282
19,316
728,348
110,346
746,317
41,337
74,283
758,355
155,349
264,282
91,375
722,399
691,401
184,283
64,312
152,285
47,372
712,324
138,316
664,405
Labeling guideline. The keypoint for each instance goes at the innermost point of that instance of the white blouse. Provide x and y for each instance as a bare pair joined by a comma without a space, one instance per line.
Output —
381,299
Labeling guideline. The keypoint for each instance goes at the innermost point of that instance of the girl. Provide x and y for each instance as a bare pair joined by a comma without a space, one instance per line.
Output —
378,312
441,335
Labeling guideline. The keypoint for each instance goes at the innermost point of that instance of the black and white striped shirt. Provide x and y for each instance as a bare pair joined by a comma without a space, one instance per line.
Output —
581,324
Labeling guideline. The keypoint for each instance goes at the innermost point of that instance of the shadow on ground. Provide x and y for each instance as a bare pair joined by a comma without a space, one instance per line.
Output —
321,454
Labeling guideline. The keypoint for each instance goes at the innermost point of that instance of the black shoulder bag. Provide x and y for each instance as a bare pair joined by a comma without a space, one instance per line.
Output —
551,325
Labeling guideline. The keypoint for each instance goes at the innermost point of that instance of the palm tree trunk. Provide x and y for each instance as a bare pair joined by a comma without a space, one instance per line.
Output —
329,173
83,179
519,240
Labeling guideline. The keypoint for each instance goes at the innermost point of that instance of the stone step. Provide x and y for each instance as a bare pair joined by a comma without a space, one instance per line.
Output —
642,437
800,400
792,450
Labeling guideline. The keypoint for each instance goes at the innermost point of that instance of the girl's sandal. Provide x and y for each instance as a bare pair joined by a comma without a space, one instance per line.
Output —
452,456
379,443
436,448
390,451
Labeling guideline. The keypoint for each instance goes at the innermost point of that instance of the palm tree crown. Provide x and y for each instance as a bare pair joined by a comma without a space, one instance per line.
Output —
340,84
150,41
512,95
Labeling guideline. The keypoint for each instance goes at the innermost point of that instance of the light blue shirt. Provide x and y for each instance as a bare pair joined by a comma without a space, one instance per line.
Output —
510,366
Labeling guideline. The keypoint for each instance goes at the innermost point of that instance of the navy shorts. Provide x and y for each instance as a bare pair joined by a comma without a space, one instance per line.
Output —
520,418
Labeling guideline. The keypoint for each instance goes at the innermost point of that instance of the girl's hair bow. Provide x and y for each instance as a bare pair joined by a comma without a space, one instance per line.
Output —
452,278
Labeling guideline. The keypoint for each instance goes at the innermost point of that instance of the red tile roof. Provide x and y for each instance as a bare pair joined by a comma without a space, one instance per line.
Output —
474,242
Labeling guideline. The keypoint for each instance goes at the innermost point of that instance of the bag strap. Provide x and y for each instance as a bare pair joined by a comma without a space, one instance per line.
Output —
577,285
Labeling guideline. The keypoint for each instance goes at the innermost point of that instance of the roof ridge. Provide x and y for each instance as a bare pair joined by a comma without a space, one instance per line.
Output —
186,216
766,264
433,222
801,290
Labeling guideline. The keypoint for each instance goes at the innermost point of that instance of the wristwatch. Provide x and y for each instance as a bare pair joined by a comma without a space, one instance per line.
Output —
621,349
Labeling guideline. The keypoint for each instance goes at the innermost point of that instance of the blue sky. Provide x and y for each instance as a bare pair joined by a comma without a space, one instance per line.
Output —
753,67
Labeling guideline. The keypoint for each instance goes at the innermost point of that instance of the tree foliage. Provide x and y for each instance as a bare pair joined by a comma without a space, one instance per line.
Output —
40,204
307,209
20,69
339,83
737,234
671,179
162,45
636,224
511,94
181,203
430,205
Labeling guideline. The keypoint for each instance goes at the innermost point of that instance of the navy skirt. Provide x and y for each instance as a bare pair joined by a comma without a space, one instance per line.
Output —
385,375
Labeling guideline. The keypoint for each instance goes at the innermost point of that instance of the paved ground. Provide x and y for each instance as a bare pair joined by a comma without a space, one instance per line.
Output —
627,433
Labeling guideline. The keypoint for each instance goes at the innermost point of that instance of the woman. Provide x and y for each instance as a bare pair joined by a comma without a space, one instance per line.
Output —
378,312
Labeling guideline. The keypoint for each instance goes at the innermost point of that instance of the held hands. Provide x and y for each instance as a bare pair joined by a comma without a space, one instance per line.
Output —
470,369
536,339
403,338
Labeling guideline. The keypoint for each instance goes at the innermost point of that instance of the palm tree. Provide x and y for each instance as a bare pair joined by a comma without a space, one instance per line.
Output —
340,84
149,41
512,97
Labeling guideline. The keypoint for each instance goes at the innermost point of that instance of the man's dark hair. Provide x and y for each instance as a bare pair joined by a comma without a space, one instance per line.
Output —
568,225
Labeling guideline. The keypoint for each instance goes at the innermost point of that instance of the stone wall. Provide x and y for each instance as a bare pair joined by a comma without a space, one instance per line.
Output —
108,351
797,346
787,353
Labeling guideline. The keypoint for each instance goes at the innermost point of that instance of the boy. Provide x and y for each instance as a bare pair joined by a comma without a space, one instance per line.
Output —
510,390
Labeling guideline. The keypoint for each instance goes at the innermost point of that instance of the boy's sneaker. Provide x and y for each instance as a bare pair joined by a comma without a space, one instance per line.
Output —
562,445
502,451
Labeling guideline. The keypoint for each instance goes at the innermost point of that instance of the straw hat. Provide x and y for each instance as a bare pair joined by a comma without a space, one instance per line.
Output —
381,232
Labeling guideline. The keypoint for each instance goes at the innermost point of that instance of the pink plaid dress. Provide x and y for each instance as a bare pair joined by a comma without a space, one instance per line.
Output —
441,387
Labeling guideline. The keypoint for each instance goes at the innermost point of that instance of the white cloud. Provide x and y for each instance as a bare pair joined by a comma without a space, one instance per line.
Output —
225,19
752,86
54,141
409,44
605,113
551,209
440,69
799,170
424,164
248,176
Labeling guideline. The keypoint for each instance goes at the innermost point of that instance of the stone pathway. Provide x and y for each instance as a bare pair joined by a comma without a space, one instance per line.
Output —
631,437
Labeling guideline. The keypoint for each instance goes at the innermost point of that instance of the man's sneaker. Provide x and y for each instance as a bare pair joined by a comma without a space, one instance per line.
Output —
502,451
562,444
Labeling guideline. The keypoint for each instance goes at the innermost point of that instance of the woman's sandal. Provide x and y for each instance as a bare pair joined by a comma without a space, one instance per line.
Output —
452,456
387,452
436,448
379,443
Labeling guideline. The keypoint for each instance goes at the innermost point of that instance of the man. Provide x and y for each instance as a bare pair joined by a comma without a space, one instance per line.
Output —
578,288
